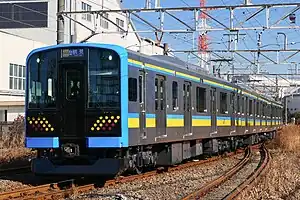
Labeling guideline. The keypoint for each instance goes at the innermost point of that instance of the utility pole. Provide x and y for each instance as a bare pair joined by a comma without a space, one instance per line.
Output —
60,22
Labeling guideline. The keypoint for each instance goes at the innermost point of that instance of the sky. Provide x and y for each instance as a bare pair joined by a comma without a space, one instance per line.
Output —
217,40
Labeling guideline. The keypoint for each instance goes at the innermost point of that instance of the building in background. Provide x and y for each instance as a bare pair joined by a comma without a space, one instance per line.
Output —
25,25
293,101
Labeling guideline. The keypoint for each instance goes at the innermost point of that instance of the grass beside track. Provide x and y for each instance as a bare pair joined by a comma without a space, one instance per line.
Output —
282,181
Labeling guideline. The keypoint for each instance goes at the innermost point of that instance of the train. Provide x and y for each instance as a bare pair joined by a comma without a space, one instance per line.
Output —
101,109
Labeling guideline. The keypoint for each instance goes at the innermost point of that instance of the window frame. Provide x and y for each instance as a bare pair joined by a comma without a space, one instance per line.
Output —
130,87
16,78
198,100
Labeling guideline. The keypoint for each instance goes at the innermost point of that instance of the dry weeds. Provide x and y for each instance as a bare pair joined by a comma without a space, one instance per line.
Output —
282,181
12,146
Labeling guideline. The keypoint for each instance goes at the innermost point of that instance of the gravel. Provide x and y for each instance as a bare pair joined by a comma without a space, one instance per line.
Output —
173,185
237,179
10,185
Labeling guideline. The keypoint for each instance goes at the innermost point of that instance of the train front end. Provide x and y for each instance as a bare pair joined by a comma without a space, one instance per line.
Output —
76,110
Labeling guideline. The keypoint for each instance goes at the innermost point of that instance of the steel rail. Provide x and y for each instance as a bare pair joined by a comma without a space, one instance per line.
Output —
263,167
52,191
218,181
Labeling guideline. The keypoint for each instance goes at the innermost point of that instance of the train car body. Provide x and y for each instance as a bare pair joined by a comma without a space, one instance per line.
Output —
97,109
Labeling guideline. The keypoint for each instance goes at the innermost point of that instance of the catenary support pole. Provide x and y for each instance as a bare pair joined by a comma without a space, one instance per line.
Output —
60,22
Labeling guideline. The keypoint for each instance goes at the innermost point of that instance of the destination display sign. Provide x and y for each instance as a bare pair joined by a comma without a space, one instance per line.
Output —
69,53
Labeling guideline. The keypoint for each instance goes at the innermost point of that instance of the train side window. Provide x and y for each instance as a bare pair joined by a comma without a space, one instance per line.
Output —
200,99
223,103
239,103
175,95
132,92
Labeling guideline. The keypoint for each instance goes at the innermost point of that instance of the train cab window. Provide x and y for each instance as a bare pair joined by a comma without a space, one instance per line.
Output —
200,99
175,95
41,86
223,103
132,91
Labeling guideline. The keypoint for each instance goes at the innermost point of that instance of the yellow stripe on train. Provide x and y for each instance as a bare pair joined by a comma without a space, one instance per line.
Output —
160,68
222,122
135,62
201,122
175,122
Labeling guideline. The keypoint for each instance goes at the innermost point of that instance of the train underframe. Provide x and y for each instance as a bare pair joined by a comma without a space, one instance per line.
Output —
75,160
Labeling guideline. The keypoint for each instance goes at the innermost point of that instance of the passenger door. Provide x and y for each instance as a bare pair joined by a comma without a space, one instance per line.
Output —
187,107
160,105
72,96
213,109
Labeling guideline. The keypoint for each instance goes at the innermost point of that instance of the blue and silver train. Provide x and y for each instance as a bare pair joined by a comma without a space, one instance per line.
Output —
99,109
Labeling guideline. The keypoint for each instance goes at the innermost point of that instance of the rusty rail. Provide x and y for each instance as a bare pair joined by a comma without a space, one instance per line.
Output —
254,177
218,181
54,191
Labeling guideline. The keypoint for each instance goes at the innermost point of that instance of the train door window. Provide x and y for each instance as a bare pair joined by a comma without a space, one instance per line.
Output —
73,84
200,99
184,99
156,94
232,103
132,91
243,105
175,95
188,88
162,91
223,103
257,108
246,106
252,105
141,88
263,109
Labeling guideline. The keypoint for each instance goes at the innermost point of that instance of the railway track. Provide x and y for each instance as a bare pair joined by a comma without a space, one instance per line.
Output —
66,188
215,186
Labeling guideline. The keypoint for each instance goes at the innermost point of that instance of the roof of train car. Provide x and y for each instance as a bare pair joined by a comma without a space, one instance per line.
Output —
173,62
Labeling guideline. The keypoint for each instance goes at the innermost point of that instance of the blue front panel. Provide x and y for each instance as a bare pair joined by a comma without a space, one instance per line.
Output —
94,141
41,142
